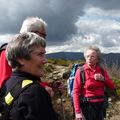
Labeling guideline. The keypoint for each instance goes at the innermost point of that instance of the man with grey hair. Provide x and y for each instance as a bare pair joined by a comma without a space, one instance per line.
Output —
34,24
30,24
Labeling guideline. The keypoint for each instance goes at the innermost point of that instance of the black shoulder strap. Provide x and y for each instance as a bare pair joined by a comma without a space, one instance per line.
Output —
3,47
82,74
15,92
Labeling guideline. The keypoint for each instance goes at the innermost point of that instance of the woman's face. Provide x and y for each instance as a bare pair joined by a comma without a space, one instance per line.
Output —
35,65
91,58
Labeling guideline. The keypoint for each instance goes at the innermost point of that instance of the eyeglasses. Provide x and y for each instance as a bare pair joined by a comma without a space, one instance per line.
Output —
41,34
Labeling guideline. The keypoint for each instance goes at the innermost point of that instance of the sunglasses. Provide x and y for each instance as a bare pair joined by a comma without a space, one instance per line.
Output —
41,34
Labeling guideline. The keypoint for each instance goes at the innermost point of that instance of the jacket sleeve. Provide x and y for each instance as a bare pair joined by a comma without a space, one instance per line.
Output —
5,69
35,104
44,84
108,81
77,86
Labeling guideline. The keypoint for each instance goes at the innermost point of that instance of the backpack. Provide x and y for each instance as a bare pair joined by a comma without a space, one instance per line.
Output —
70,83
7,100
70,80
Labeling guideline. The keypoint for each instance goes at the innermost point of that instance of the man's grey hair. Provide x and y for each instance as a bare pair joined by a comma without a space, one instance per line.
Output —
96,49
32,24
21,46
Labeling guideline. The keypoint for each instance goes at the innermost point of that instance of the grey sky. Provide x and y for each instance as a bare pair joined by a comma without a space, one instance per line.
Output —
72,24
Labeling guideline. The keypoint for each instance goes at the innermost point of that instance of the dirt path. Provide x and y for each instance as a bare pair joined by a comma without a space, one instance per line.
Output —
113,112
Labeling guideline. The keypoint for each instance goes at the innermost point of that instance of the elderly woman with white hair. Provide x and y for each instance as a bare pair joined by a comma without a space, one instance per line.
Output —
89,97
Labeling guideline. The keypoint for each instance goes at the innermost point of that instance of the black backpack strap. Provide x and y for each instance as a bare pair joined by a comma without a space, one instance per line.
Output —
14,94
3,47
82,74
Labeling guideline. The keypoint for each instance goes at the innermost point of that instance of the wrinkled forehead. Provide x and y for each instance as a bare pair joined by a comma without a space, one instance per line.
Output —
38,50
91,52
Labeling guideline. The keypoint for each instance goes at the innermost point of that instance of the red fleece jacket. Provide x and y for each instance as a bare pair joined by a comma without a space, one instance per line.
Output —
5,69
92,87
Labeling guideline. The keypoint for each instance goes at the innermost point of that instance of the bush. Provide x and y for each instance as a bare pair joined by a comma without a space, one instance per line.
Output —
49,68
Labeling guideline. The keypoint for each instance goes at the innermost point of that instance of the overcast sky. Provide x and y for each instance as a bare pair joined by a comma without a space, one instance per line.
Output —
72,24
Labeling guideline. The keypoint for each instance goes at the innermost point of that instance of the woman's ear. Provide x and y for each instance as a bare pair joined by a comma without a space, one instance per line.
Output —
21,61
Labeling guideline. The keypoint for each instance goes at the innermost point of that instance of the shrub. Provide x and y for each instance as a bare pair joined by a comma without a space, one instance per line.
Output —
49,68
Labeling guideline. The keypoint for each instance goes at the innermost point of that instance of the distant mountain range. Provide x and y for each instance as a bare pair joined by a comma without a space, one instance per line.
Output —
66,55
109,59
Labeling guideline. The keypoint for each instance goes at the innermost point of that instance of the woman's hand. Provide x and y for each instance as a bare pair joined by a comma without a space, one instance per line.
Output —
80,116
99,77
49,90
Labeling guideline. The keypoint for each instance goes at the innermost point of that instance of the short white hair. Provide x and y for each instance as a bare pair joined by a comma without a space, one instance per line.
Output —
96,49
32,24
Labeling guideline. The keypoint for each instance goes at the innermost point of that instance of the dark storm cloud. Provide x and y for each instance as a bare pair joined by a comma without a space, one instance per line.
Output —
60,16
14,12
61,20
105,4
